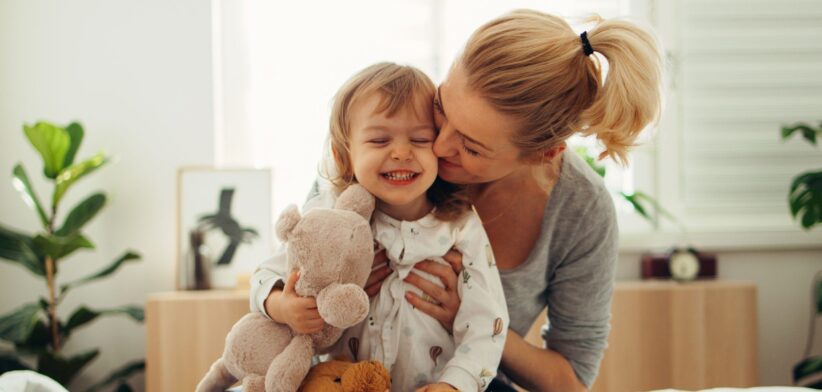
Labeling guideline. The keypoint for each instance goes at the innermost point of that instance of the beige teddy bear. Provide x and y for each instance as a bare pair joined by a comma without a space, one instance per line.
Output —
333,250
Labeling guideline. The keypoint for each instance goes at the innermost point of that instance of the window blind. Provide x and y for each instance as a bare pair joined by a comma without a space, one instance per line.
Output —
742,70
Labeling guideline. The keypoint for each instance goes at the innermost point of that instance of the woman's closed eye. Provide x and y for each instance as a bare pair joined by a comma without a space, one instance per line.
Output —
467,149
470,152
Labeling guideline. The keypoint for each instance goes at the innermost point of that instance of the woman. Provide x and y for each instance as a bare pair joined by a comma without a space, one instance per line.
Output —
523,85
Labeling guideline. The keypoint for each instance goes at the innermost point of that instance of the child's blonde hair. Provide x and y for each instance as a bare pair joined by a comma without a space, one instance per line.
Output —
398,87
532,65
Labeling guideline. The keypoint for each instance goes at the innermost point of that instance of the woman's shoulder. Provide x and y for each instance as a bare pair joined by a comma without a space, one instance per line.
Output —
579,187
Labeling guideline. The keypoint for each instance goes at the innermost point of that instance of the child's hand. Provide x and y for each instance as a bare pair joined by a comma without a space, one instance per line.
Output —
300,313
438,387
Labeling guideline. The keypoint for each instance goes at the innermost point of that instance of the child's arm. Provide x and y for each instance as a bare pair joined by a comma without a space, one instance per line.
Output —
481,322
269,276
274,296
269,279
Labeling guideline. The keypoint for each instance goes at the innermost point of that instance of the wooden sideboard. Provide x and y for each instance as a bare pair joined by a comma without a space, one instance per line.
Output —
663,335
185,334
688,336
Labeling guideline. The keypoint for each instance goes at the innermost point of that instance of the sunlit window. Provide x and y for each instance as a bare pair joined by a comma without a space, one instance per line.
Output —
293,56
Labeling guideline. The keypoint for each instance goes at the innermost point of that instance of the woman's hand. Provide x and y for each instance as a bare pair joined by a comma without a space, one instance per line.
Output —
438,387
379,271
300,313
441,303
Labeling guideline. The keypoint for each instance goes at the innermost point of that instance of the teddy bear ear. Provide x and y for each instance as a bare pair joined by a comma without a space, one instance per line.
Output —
356,199
287,221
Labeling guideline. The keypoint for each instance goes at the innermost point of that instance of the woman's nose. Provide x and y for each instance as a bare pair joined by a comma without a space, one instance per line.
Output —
444,144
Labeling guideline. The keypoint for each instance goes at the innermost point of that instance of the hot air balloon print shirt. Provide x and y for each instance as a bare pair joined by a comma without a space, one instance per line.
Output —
415,348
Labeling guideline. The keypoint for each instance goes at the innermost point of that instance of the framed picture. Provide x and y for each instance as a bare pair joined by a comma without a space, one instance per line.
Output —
224,225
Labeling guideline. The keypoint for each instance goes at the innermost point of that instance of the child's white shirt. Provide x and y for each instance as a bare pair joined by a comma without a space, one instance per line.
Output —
412,345
415,348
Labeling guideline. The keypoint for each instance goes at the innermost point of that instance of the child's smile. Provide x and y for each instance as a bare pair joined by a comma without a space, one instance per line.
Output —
400,177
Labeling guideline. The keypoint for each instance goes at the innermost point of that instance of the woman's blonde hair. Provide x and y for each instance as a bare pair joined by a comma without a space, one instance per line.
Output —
532,65
398,86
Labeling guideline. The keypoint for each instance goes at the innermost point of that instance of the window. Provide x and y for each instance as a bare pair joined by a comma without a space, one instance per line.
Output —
279,64
739,70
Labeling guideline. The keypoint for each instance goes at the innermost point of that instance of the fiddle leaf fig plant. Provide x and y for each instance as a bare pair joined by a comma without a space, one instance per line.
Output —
805,200
35,330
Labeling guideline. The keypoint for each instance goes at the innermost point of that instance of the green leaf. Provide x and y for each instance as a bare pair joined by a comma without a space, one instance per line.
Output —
808,367
82,214
52,142
84,315
805,198
23,185
124,388
819,297
58,247
583,153
38,342
128,256
9,362
657,206
71,174
19,247
76,133
17,325
64,369
121,375
638,207
808,132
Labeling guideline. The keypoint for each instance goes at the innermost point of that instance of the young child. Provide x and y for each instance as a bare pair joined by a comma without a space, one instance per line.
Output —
382,132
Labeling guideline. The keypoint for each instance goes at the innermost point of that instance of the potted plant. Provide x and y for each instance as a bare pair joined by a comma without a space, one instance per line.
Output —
643,204
805,199
35,330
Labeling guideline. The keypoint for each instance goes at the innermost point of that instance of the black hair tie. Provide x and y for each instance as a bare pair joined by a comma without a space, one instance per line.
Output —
586,46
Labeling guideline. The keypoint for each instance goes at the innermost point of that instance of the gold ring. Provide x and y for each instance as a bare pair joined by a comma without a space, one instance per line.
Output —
429,298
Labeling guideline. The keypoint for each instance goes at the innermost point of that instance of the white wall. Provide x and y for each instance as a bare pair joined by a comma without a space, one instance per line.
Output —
137,74
783,280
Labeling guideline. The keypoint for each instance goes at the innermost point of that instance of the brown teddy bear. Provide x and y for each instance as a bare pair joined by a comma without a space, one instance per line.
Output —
333,250
344,376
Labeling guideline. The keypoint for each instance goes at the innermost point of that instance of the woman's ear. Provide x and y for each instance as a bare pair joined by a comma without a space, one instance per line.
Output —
553,152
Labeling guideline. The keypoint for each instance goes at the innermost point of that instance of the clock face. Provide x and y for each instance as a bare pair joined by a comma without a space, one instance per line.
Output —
684,266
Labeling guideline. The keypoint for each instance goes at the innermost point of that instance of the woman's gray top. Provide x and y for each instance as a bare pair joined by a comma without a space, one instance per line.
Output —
570,270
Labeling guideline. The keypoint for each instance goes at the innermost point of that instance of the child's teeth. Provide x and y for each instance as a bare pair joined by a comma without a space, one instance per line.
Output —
400,177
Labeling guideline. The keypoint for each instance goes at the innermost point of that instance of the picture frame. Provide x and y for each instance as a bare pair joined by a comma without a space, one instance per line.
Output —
224,225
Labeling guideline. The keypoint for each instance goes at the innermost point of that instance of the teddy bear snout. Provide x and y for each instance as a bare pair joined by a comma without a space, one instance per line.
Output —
342,305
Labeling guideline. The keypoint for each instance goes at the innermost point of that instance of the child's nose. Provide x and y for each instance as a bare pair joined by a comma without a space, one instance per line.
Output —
401,152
